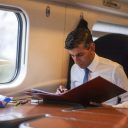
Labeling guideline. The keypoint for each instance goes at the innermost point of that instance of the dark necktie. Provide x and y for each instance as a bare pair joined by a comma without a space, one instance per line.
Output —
86,75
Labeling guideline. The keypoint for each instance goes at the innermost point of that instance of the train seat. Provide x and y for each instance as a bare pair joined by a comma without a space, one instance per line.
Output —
114,47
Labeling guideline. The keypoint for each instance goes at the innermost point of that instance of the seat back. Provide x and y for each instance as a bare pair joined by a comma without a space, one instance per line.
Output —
71,62
114,47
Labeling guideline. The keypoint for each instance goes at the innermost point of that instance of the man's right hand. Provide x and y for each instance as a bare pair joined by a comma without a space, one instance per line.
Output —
61,89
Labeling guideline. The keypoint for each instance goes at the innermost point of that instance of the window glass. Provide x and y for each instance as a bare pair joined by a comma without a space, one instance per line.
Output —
13,46
8,45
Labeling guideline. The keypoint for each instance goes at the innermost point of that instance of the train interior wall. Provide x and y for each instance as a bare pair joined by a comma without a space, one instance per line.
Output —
47,59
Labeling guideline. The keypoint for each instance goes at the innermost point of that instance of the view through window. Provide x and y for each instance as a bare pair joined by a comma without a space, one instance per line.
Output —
13,46
8,45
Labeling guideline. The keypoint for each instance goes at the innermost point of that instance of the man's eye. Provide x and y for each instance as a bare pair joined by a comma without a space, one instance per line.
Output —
79,55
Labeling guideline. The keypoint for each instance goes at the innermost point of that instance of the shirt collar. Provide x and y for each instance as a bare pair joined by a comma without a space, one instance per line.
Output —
94,63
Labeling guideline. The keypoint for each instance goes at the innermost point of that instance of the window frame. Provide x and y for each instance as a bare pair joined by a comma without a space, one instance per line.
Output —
22,47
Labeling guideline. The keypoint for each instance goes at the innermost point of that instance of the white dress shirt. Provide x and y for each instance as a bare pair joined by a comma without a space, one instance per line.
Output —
103,67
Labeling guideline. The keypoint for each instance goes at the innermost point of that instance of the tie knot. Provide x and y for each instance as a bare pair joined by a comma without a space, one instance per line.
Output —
86,70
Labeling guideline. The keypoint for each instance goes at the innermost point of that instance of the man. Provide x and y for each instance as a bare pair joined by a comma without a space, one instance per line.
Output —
81,47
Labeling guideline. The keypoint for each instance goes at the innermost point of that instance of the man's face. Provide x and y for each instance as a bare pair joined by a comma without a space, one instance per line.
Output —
83,56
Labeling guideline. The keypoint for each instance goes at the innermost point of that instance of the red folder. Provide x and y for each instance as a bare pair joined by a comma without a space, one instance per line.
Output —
97,90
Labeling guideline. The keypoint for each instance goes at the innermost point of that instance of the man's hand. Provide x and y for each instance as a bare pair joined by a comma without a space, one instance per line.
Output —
61,89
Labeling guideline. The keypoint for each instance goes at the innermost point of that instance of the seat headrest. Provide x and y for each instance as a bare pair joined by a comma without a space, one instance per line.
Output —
115,47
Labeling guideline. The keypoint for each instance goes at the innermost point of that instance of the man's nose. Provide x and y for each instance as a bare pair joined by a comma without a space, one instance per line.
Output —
76,59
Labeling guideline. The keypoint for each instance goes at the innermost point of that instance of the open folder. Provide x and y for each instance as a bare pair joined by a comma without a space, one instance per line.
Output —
97,90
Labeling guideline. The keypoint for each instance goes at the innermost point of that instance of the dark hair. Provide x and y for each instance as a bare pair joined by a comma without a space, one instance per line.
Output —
80,35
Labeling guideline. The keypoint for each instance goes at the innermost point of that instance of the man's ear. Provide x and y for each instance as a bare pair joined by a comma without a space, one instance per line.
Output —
92,47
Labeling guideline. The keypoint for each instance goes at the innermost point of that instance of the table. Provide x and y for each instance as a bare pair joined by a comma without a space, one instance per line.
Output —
61,115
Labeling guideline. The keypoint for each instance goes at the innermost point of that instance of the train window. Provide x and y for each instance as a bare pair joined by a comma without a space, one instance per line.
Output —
13,33
101,28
